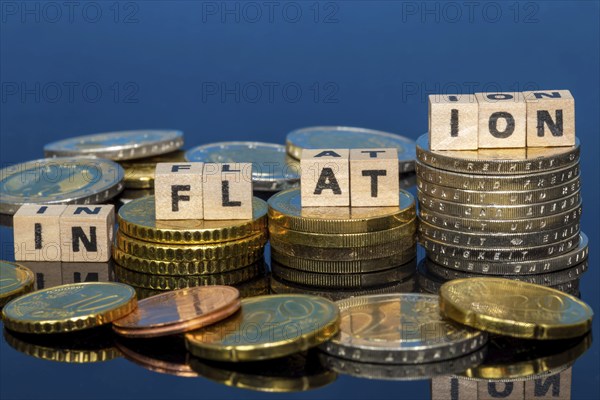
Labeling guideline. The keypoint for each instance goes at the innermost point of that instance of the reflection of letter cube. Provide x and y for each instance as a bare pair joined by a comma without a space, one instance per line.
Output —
502,120
37,232
178,190
87,233
227,191
374,177
86,272
453,122
550,118
325,179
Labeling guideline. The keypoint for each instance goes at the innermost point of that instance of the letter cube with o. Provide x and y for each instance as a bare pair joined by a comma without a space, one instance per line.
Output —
178,191
550,118
325,178
453,122
502,120
227,191
86,233
374,178
37,232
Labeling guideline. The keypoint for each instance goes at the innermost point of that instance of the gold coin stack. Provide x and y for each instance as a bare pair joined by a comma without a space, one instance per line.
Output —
153,255
353,249
504,212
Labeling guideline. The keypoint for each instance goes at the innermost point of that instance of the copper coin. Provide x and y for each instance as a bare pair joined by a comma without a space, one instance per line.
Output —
179,311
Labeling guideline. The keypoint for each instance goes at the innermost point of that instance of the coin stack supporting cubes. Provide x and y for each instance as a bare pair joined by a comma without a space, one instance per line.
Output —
343,249
505,212
160,255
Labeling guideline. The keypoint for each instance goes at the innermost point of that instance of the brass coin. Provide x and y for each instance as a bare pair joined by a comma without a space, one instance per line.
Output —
514,308
267,327
285,210
15,280
139,173
138,220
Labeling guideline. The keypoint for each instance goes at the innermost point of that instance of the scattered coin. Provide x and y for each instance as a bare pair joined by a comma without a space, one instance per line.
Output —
15,280
139,173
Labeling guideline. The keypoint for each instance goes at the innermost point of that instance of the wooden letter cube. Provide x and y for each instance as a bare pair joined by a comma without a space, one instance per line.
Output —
325,177
37,232
453,122
550,118
227,191
87,233
374,178
178,189
502,120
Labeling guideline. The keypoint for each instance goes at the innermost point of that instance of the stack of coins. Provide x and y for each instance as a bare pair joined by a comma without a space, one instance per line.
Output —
353,249
162,255
505,212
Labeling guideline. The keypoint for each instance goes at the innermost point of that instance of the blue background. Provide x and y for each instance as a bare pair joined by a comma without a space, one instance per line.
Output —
248,74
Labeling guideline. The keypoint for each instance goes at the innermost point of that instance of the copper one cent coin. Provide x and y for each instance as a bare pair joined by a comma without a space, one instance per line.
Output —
179,311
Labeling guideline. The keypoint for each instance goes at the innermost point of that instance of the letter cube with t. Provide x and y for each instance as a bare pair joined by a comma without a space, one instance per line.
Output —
374,178
502,120
550,118
178,191
227,191
86,233
453,123
37,232
325,178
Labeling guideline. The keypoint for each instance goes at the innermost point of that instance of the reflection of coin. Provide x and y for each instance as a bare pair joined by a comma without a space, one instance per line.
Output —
399,329
267,327
72,180
272,169
15,280
343,137
125,145
139,174
514,308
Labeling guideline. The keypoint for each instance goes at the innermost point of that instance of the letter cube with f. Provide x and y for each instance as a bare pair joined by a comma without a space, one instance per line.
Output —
325,178
374,178
178,189
86,233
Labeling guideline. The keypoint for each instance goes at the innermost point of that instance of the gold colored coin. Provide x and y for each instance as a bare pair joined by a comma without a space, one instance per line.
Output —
267,327
69,308
15,280
514,308
139,173
285,210
137,219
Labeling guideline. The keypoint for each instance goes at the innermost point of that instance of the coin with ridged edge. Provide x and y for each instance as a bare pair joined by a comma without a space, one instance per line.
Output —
138,220
139,174
404,328
69,308
15,280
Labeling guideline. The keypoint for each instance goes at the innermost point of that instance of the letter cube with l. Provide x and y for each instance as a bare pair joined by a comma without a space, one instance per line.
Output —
550,118
178,191
37,232
227,191
86,233
325,178
453,123
502,120
374,178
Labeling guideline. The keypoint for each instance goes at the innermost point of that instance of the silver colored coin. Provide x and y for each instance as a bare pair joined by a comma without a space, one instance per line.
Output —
497,183
491,226
498,161
272,169
124,145
402,328
336,137
68,180
477,211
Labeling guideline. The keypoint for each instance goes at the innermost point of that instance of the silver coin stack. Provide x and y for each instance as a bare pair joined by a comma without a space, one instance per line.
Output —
513,213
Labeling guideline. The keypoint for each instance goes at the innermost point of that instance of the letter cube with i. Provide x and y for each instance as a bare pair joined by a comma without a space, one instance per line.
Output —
550,118
374,178
502,120
227,191
178,191
86,233
325,178
453,123
37,232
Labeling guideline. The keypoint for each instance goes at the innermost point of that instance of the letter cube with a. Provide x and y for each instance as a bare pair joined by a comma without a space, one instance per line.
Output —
178,191
37,232
374,178
502,120
453,122
550,118
227,191
325,177
86,233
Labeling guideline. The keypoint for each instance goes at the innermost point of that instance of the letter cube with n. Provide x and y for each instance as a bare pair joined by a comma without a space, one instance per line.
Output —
550,118
86,233
325,178
178,190
502,120
374,178
227,191
37,232
453,122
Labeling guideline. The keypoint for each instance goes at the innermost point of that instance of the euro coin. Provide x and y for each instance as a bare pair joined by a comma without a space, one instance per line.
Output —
124,145
516,309
399,329
69,308
15,280
272,169
70,180
139,174
343,137
267,327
